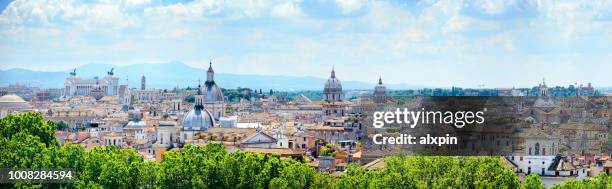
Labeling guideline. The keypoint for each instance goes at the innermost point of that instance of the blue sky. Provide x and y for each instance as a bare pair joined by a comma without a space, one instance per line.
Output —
501,43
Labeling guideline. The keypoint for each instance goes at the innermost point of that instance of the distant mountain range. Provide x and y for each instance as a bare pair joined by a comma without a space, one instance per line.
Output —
173,74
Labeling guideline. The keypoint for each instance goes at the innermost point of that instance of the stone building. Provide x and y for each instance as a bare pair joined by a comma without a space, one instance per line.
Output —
76,86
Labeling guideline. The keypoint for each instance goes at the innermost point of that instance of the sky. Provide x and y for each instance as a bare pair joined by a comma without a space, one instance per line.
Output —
504,43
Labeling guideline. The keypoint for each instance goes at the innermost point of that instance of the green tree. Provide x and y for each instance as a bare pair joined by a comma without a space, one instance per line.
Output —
532,181
28,123
600,181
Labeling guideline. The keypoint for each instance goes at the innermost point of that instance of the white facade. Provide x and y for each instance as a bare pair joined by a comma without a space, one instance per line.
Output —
539,156
146,95
534,164
166,133
228,122
75,86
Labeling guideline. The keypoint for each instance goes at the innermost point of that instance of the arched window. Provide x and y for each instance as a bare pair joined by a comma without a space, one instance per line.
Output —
537,148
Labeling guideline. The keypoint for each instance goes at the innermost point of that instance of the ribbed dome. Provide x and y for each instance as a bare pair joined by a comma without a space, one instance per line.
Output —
212,92
380,88
332,92
198,119
333,84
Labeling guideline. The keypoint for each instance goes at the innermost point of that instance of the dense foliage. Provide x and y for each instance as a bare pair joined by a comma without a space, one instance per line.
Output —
26,141
599,181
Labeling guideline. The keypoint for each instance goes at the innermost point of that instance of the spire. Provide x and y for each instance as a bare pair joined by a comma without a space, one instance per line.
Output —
198,98
379,80
143,82
333,73
544,81
210,73
199,91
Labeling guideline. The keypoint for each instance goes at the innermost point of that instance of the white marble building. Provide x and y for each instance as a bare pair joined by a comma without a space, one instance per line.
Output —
76,86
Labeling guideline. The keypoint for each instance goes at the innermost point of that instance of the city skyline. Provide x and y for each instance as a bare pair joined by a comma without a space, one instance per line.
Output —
437,43
191,76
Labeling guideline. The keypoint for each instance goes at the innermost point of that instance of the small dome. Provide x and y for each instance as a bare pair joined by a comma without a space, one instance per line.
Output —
198,119
380,88
13,102
333,84
11,98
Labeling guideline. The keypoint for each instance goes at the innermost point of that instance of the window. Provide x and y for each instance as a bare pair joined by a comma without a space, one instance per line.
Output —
537,148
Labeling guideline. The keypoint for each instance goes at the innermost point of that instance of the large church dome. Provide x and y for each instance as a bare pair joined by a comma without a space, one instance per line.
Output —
198,119
380,92
332,90
332,84
212,92
380,88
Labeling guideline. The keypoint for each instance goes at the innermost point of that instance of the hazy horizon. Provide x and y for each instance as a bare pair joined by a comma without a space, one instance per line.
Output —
95,70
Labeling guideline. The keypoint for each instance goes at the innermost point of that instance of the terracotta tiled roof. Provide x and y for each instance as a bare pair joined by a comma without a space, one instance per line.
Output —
326,128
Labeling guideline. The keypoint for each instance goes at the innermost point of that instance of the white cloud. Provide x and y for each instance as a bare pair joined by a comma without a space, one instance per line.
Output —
493,7
136,3
287,10
349,6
